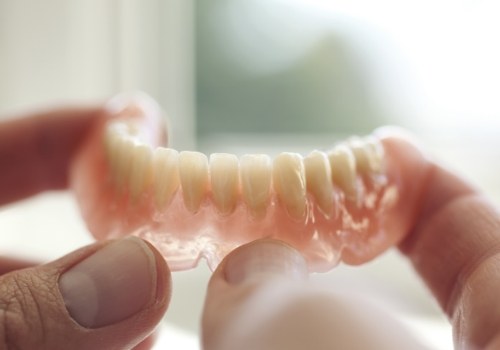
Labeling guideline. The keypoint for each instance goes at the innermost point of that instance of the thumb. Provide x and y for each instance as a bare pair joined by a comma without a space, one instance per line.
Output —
109,295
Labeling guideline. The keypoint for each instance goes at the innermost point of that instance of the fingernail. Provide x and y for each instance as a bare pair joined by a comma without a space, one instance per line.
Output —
111,285
264,259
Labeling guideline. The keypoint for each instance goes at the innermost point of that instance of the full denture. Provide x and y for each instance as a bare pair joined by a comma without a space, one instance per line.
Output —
333,205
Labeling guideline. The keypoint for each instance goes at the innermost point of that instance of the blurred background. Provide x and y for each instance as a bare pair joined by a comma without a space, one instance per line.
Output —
263,76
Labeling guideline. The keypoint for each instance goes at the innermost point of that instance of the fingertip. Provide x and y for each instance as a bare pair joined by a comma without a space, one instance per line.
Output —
243,275
164,277
263,259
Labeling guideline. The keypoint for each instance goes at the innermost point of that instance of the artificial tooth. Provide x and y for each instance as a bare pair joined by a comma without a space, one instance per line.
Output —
118,128
367,154
124,150
193,173
343,167
140,169
224,181
165,175
361,155
376,151
255,172
290,183
319,180
132,127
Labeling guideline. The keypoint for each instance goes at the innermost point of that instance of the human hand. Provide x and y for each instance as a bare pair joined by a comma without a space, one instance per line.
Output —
109,295
259,298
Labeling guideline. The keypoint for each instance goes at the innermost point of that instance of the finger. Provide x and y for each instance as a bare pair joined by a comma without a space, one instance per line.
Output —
35,151
455,247
258,299
11,264
109,295
235,285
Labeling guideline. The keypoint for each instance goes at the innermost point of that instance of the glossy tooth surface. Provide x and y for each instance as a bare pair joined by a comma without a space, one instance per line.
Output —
376,152
368,153
140,169
224,181
319,180
255,174
123,161
165,175
290,183
343,167
193,173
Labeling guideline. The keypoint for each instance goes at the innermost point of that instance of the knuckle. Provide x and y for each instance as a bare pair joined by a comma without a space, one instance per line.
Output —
23,299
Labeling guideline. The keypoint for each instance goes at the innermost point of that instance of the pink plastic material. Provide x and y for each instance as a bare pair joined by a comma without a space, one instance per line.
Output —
359,232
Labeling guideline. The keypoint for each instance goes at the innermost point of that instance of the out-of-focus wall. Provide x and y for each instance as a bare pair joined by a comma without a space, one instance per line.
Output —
57,51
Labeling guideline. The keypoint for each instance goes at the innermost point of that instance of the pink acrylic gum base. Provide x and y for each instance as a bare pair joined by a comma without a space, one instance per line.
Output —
183,238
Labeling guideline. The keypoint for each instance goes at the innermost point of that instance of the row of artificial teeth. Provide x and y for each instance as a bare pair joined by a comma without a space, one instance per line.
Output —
137,166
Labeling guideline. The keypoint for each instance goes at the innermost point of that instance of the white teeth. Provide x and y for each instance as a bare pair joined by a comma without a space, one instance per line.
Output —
319,180
343,167
141,169
193,173
224,181
290,183
361,155
368,153
166,175
376,152
255,171
118,128
135,165
123,161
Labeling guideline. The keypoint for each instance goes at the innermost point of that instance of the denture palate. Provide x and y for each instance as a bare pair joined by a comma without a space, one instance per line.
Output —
328,204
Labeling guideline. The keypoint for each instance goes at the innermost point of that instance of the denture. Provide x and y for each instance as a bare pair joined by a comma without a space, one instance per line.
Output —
349,203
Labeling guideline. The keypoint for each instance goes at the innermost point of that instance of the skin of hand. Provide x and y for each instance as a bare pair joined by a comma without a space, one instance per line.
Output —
109,295
258,298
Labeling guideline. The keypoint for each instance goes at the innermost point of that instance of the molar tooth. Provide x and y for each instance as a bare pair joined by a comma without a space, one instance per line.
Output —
224,181
319,180
368,153
118,128
375,151
193,172
124,150
140,169
290,183
165,175
343,167
361,154
255,172
129,127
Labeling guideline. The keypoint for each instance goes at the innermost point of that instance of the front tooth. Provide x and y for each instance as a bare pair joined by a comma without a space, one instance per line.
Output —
343,167
319,180
224,181
124,150
193,173
140,169
289,183
255,172
166,175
